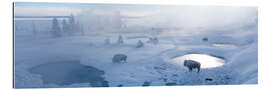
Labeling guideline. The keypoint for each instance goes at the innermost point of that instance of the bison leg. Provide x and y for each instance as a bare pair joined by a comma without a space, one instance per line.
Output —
190,69
198,69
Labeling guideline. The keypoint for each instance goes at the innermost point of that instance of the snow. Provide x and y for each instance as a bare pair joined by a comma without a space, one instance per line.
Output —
150,63
249,64
229,56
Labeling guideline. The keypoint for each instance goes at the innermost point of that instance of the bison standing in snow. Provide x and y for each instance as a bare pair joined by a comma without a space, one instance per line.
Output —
119,58
190,64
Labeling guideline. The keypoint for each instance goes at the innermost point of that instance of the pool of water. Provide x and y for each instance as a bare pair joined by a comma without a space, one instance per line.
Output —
69,72
206,61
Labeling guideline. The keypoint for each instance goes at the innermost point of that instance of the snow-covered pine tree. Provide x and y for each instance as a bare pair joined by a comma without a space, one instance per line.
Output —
65,26
74,26
150,40
120,40
154,33
80,29
71,25
155,40
56,31
139,44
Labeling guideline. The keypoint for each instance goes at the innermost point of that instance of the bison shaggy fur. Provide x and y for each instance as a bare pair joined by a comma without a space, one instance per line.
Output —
191,64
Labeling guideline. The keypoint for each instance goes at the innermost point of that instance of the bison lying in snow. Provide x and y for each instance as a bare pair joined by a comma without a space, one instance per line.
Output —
190,64
119,58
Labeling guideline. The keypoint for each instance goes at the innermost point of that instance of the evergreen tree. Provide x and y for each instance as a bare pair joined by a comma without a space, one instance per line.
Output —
64,25
79,28
120,40
71,20
71,24
56,31
155,40
139,44
150,39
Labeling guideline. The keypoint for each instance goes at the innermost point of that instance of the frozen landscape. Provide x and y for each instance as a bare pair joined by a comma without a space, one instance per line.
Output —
60,45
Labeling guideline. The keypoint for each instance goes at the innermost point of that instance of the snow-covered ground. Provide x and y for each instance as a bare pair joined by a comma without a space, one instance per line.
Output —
152,63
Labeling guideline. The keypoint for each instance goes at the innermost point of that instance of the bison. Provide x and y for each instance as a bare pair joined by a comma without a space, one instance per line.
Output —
190,64
119,58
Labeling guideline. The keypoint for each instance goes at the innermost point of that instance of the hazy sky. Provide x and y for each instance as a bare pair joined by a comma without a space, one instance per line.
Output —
182,16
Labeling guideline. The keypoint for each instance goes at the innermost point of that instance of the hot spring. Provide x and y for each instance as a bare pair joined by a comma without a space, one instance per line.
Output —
206,61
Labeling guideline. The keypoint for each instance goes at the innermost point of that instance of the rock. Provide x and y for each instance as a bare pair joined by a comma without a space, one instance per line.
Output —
99,84
205,39
146,83
120,85
170,84
208,79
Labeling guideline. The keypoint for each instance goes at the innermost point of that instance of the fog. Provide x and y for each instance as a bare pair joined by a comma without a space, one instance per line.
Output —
114,16
74,45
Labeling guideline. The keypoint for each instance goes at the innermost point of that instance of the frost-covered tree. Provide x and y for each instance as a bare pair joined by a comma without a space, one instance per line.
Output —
153,40
69,27
149,40
139,44
79,27
73,26
65,26
120,40
71,22
56,31
154,34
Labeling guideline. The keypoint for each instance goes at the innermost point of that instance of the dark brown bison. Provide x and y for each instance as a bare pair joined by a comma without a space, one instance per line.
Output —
119,58
190,64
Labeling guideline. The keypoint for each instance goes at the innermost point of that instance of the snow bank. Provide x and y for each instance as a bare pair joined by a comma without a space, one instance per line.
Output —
245,63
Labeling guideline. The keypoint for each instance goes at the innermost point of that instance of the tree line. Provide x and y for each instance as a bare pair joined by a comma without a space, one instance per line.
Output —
69,27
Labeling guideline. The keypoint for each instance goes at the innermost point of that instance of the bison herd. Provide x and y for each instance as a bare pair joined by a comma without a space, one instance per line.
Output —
190,64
